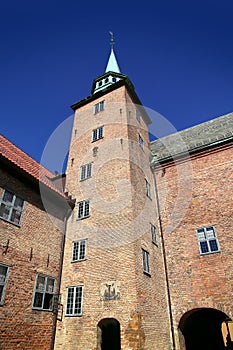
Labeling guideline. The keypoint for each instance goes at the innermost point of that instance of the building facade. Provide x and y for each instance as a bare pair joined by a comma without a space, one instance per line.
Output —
31,247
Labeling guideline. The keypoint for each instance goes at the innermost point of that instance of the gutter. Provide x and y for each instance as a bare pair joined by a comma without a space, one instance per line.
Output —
165,262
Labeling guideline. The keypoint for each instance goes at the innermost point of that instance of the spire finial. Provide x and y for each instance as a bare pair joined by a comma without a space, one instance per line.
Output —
112,42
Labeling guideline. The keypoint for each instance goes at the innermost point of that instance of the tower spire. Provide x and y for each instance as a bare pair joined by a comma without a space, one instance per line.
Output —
112,72
112,65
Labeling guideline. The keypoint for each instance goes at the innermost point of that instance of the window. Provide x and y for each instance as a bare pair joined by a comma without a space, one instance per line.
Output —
138,116
4,270
74,301
146,262
83,209
11,207
148,190
79,250
97,134
207,240
141,142
153,233
85,171
99,106
44,292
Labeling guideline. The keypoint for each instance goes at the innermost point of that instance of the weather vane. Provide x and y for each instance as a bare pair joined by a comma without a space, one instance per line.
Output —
112,40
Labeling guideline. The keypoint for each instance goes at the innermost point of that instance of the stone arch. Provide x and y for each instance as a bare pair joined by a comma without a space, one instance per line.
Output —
201,329
108,334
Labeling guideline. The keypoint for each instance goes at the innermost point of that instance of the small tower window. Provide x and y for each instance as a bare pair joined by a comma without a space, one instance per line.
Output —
74,299
113,80
83,209
85,171
99,107
106,80
79,250
97,134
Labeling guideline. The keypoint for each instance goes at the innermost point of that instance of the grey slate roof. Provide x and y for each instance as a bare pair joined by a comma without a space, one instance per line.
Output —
192,139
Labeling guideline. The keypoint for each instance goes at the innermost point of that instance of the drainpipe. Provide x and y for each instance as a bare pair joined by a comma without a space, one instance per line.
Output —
164,260
59,278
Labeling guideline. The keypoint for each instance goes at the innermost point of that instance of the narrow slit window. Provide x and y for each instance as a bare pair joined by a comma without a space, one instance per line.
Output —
141,142
4,271
146,262
148,189
153,233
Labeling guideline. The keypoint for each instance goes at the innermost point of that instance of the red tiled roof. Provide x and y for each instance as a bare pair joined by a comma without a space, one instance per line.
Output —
22,160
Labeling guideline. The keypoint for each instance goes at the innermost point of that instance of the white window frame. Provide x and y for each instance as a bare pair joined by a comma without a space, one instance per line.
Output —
97,134
44,290
141,141
99,107
74,308
146,261
85,171
148,189
153,234
79,250
85,211
205,236
3,281
12,208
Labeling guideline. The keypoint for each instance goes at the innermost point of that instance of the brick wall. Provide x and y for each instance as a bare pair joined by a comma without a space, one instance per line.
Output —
116,231
194,193
21,327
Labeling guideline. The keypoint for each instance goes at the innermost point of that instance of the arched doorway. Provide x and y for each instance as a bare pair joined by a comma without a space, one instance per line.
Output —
202,329
108,334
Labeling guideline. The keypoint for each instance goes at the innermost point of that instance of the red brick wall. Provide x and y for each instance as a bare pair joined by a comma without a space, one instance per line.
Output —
21,327
116,231
195,193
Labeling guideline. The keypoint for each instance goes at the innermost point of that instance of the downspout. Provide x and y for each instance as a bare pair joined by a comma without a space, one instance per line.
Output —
59,278
164,260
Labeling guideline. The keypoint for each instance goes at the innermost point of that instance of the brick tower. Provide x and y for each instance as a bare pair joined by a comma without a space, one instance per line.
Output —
113,285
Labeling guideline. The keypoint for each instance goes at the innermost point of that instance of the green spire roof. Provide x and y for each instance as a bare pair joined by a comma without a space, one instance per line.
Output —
112,65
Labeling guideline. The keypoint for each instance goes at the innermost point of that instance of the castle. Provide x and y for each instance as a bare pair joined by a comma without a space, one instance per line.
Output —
142,258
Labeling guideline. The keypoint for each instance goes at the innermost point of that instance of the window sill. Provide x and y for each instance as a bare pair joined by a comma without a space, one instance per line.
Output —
10,222
73,315
85,217
37,309
210,253
77,261
147,273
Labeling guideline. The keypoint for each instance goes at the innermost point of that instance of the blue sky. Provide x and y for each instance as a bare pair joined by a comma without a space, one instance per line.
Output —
178,54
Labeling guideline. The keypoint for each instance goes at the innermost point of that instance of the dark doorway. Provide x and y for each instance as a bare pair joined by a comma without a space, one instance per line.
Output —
109,334
202,330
